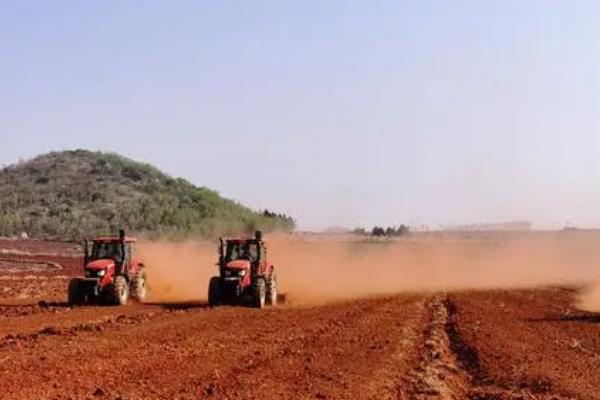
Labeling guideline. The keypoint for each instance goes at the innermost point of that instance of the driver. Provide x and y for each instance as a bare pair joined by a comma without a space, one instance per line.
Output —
245,253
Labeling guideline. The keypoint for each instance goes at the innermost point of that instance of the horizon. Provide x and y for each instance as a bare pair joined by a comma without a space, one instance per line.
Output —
344,114
470,226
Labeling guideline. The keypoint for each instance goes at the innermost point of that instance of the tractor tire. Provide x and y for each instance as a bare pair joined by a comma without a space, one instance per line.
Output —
215,295
76,296
117,293
272,290
260,293
139,286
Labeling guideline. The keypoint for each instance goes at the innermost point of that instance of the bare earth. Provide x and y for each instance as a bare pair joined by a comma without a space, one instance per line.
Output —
495,344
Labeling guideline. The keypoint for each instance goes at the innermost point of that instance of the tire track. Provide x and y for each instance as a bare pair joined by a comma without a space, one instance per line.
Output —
438,374
481,386
450,369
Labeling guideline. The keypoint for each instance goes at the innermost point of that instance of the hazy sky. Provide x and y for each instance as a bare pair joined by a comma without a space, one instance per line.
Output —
337,112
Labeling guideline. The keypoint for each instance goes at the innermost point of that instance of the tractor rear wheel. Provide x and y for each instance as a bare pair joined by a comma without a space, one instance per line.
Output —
214,292
139,287
272,290
76,294
118,291
260,293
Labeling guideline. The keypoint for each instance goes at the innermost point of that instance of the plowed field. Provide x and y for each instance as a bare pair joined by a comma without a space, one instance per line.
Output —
493,344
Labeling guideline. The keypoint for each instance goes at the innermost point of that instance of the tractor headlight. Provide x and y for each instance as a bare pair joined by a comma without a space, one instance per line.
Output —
102,272
243,272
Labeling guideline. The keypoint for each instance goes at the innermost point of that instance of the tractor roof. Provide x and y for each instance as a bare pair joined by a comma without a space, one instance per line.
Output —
243,240
109,239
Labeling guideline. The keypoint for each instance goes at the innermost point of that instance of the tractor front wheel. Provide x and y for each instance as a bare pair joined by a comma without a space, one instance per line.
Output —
139,287
260,293
118,291
76,294
214,292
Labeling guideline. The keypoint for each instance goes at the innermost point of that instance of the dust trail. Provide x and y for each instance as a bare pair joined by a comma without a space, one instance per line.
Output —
325,269
589,298
178,271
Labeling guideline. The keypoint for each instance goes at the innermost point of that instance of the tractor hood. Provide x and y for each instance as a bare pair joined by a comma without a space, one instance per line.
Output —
238,264
100,264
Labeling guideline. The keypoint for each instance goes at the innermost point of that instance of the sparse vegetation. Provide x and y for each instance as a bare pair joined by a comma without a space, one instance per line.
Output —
71,193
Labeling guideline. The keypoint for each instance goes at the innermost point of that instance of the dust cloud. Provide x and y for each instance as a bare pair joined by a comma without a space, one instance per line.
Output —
178,271
316,269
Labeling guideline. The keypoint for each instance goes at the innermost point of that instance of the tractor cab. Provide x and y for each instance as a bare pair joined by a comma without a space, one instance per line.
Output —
110,248
242,255
107,253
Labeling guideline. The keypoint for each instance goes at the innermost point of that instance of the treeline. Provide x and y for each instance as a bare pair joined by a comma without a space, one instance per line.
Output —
68,194
378,231
279,218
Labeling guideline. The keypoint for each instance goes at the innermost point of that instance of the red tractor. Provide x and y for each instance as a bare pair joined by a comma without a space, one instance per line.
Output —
112,274
245,275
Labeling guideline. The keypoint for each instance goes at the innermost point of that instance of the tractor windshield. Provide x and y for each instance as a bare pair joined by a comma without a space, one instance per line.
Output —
107,250
242,251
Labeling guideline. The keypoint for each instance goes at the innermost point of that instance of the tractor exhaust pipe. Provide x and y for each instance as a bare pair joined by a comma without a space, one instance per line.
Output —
122,261
86,252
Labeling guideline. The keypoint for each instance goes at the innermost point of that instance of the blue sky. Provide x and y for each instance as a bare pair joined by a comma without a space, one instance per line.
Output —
337,112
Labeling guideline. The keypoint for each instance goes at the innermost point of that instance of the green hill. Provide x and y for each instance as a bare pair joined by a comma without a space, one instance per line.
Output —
71,193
